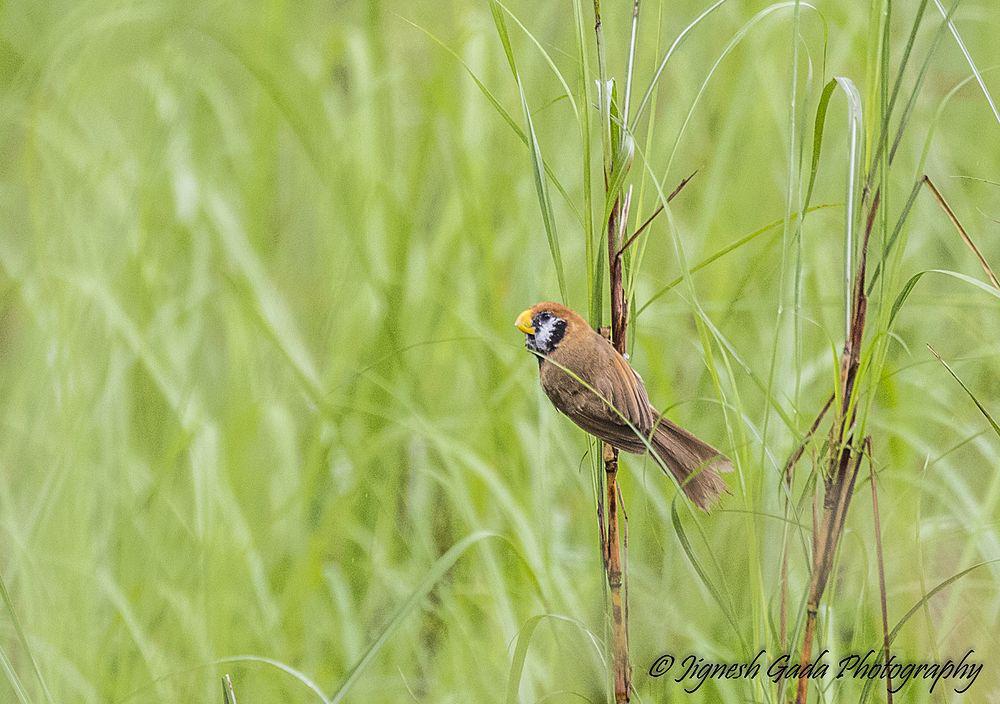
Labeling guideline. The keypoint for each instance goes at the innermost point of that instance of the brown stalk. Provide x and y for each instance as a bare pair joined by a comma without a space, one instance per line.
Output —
962,232
610,532
836,500
843,462
615,574
612,519
611,535
788,476
659,209
614,564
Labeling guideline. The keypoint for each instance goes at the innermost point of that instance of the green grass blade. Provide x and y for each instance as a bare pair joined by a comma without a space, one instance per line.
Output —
900,73
968,391
729,248
507,118
915,608
22,638
277,665
948,18
537,163
567,93
856,126
891,242
908,287
524,636
818,128
918,84
592,248
434,575
590,237
734,42
13,679
700,571
648,95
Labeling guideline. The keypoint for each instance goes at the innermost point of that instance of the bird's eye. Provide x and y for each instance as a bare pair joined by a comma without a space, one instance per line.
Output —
544,316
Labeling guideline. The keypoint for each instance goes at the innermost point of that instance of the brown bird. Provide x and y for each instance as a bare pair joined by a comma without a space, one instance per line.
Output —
589,381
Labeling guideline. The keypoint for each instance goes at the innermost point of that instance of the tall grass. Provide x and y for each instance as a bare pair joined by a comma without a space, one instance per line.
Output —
264,412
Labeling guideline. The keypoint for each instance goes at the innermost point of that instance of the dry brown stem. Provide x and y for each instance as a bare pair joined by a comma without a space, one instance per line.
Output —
962,232
659,209
614,561
842,463
788,475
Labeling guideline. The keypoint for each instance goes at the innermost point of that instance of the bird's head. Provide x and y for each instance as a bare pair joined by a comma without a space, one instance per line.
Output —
546,324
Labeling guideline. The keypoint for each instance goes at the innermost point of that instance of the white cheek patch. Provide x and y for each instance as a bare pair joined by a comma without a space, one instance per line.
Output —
549,333
543,335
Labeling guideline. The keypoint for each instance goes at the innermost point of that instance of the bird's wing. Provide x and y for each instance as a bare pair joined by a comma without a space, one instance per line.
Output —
617,410
630,393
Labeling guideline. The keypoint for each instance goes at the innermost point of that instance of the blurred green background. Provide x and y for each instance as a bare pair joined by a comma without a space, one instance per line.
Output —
259,264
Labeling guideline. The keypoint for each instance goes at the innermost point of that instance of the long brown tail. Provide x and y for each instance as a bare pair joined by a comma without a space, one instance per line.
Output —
696,464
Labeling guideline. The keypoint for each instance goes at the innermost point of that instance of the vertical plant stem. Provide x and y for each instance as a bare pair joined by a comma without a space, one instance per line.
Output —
614,563
614,532
844,459
881,575
788,476
622,669
603,93
228,693
836,500
631,63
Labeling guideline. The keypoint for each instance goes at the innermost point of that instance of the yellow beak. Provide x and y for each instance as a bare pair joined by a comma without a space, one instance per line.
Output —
523,323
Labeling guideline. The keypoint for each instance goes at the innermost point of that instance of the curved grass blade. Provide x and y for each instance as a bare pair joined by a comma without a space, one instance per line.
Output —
700,570
545,55
564,693
278,665
856,123
723,252
233,659
908,288
818,128
916,607
524,641
734,41
942,104
507,118
647,96
434,575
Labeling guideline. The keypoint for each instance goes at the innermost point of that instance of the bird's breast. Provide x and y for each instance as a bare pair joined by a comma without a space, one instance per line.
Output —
565,382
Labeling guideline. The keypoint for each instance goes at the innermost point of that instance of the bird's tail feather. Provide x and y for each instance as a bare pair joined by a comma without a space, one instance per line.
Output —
695,464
